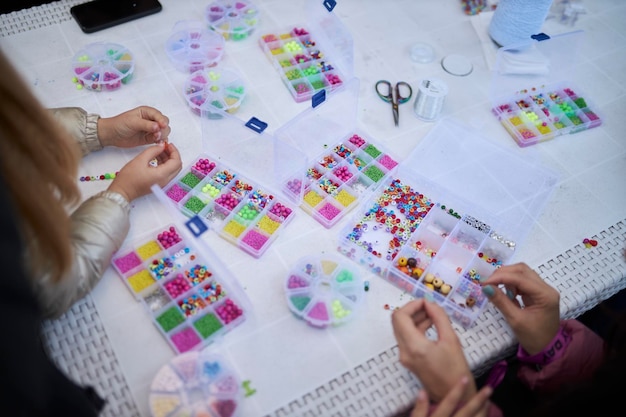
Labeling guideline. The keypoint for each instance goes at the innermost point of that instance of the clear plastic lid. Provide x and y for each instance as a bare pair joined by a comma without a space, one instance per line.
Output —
192,47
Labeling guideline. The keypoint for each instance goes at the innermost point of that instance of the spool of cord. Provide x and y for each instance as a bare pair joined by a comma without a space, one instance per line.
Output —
515,21
431,94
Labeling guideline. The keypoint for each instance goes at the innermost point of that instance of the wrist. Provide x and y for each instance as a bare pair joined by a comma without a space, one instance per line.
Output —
114,188
103,132
550,353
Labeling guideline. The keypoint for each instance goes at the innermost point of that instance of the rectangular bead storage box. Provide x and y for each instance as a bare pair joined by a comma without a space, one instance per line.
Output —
344,164
217,186
192,298
313,56
534,93
457,209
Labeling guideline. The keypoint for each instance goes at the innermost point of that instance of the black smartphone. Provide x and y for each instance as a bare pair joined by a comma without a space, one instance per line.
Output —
101,14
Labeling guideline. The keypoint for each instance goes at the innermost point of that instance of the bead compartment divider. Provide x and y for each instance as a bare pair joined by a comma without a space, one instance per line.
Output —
228,202
323,291
538,114
301,60
338,179
190,299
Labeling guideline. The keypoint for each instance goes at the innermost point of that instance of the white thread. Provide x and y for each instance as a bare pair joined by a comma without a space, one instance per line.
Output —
515,21
431,94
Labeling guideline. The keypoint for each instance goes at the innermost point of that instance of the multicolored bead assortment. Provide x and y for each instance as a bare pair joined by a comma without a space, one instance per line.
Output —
101,177
102,66
337,180
303,67
244,213
209,89
233,19
191,301
196,384
323,292
426,248
539,114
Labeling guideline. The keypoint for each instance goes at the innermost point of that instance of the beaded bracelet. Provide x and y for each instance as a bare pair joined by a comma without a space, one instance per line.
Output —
550,353
103,177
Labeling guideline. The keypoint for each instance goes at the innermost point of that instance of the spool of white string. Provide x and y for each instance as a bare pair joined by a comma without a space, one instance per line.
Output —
516,20
431,94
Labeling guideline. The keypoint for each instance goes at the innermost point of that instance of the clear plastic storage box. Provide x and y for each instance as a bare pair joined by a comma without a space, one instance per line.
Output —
344,163
192,46
324,291
458,208
234,186
192,298
233,19
534,94
211,88
311,56
103,66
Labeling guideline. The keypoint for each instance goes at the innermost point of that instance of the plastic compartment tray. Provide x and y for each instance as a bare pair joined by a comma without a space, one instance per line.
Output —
103,66
191,300
207,89
243,213
234,20
302,63
196,384
535,115
192,47
323,291
336,181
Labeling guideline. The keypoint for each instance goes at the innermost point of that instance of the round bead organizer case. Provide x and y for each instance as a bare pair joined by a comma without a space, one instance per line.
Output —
211,88
103,66
192,299
196,383
242,212
303,64
323,291
234,20
192,46
337,180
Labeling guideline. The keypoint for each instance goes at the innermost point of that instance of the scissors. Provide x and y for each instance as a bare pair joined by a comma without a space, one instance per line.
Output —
393,96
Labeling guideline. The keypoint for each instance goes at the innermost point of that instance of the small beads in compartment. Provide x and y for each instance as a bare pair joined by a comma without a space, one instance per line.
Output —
228,311
203,166
169,237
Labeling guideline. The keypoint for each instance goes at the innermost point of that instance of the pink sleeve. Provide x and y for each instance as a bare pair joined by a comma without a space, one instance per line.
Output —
583,355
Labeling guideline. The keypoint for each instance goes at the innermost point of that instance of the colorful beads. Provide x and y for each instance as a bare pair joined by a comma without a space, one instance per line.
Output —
204,166
101,177
169,237
228,311
590,243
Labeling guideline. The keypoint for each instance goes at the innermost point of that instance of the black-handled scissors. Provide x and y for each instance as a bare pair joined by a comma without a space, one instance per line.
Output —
394,96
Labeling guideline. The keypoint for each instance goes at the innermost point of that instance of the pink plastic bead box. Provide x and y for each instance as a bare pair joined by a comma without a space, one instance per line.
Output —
208,89
458,209
345,164
190,296
192,47
102,66
324,291
233,19
313,56
196,384
535,96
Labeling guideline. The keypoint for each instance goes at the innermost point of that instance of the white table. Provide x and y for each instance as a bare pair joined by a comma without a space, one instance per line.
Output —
351,369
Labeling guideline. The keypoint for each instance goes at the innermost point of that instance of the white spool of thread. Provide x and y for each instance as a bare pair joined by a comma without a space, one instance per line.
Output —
431,94
516,21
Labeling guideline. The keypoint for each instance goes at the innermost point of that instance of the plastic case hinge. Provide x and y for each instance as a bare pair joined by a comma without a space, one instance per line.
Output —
196,226
256,125
330,5
318,98
540,37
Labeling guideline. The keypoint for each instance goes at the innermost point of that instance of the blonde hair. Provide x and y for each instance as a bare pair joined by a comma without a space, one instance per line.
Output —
38,162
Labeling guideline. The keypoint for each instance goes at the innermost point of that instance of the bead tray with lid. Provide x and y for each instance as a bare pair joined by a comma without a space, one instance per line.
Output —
103,66
191,298
534,91
232,19
192,47
457,209
324,291
211,88
217,186
344,163
314,56
196,383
